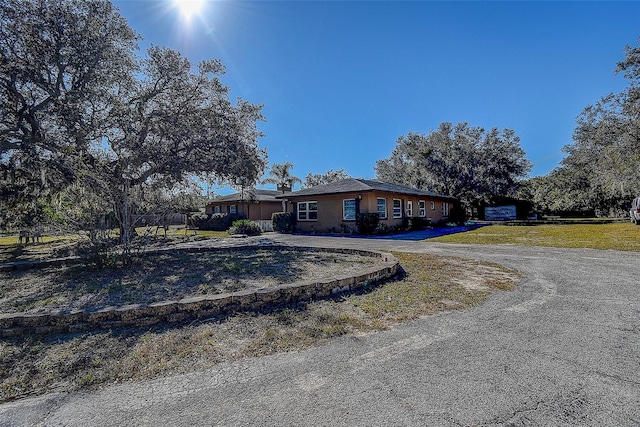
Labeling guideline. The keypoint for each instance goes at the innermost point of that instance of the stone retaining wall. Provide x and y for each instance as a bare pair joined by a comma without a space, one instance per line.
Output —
201,307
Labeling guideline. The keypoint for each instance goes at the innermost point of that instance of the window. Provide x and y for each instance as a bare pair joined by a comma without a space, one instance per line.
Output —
349,209
422,211
307,211
397,208
433,206
410,208
382,208
233,209
216,209
445,209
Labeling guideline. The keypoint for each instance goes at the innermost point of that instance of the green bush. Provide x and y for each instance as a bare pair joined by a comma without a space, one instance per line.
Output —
457,214
382,228
244,226
367,223
99,254
418,223
283,222
215,222
405,224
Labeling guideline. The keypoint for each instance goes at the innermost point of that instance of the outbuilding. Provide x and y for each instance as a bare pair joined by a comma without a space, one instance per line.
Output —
253,204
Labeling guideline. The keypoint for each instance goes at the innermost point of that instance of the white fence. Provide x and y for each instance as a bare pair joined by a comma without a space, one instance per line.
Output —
266,225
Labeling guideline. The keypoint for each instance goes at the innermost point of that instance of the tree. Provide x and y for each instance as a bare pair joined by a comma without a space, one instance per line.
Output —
61,65
559,192
458,160
603,159
80,103
280,175
313,179
175,123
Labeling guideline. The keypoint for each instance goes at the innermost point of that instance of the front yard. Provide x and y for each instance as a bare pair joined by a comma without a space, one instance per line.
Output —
617,236
167,276
33,365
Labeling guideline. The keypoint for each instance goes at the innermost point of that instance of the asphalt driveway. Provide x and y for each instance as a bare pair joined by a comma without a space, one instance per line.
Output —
563,349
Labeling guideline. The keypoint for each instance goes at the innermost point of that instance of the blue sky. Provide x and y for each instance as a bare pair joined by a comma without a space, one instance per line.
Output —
341,81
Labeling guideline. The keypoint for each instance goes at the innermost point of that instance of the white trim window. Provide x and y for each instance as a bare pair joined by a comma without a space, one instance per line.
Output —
233,209
410,208
216,209
445,209
308,211
433,206
397,208
382,208
422,211
349,209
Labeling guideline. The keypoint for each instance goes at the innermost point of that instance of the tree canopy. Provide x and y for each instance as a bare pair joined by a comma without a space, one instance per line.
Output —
458,160
62,64
313,179
80,106
280,175
601,172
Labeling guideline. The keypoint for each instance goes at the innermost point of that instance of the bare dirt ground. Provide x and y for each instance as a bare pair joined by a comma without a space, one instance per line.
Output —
166,276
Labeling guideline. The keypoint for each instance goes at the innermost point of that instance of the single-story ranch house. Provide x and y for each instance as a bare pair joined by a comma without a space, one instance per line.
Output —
253,204
327,207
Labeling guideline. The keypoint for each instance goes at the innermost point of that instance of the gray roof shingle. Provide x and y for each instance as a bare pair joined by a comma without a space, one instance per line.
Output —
351,185
257,195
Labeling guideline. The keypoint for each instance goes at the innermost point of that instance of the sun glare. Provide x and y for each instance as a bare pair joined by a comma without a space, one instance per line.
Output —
189,8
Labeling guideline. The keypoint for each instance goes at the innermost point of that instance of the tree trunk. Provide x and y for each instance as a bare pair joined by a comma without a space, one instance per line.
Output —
125,219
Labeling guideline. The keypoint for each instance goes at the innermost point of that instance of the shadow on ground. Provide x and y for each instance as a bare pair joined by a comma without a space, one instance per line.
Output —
418,235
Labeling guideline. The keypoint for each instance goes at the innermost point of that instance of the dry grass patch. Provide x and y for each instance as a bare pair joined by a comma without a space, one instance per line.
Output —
431,284
55,246
170,275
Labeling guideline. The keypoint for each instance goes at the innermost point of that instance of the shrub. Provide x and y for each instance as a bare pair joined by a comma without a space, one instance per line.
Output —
282,222
345,229
244,226
367,223
382,228
458,214
418,223
405,224
215,222
99,254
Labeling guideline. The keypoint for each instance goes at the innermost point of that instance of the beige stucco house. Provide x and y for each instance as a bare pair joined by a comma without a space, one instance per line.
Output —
333,207
253,204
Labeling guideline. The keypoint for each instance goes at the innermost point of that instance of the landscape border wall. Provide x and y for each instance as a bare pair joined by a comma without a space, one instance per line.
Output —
201,307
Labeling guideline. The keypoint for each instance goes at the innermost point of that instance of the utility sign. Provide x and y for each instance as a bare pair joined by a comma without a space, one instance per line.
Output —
500,213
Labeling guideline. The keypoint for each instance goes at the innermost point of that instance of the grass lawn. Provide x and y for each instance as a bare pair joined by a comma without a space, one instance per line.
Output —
618,236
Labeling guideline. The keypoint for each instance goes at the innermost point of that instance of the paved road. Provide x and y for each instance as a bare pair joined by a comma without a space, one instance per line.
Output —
563,349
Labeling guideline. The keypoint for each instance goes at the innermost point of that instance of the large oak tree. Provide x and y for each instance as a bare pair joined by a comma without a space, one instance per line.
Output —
61,64
601,172
459,160
330,176
174,123
117,124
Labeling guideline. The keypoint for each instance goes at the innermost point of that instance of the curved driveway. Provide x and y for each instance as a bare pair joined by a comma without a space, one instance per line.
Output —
563,349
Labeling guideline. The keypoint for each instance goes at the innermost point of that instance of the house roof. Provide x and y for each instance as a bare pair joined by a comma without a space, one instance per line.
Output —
253,195
351,185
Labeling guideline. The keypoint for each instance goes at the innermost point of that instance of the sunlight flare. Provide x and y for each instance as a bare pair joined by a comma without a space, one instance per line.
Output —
189,8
